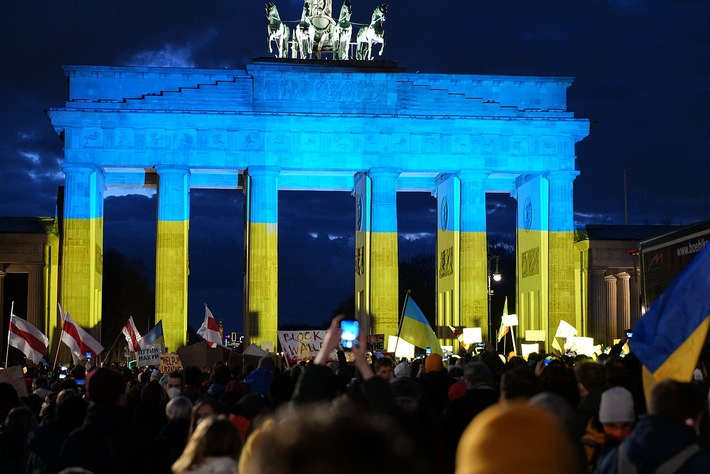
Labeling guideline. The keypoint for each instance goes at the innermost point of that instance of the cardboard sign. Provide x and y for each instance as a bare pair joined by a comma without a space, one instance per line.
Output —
15,377
303,345
170,363
376,343
149,356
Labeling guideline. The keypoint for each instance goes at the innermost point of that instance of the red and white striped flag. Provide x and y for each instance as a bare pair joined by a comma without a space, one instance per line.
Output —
27,338
79,341
133,337
209,330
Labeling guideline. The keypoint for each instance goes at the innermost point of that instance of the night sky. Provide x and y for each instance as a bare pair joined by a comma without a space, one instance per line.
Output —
641,69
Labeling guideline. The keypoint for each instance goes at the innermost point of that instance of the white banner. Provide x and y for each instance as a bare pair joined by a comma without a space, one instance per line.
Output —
565,330
303,345
149,356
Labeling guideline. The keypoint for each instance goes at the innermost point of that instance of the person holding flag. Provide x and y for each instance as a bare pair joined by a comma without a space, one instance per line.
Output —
24,336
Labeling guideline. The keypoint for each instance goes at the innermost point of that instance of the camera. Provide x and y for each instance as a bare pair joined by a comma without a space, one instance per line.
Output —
350,331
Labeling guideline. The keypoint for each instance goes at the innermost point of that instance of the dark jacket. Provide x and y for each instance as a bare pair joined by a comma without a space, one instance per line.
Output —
653,441
107,443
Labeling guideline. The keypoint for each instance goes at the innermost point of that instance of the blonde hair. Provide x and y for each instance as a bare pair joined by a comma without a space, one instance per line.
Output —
214,436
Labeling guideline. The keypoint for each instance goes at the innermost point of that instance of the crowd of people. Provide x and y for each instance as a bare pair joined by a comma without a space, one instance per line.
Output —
477,413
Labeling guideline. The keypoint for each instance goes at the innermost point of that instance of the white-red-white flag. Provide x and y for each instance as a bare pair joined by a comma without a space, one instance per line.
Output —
79,341
27,338
209,330
133,337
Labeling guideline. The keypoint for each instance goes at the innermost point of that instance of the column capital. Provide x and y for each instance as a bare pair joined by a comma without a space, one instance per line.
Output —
383,173
562,175
609,278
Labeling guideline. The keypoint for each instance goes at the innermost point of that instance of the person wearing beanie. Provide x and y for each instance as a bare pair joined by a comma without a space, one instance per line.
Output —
664,440
433,363
616,413
516,438
480,393
612,424
403,370
435,382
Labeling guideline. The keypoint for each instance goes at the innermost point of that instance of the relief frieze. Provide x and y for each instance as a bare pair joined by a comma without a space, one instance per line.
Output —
291,90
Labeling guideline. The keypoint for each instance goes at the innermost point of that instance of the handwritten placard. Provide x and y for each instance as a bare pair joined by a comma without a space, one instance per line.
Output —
303,345
170,363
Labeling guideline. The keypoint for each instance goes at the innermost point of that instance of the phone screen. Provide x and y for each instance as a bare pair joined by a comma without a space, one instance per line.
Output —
350,330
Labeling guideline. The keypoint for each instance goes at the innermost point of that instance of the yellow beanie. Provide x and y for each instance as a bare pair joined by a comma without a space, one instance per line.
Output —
516,438
433,363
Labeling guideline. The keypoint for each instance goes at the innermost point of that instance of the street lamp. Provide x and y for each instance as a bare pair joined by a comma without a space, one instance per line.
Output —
496,276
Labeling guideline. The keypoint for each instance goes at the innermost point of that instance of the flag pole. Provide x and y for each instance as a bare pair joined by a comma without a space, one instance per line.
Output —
7,351
111,348
401,318
59,342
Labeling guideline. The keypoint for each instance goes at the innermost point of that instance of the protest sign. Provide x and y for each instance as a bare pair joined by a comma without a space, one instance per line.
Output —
303,345
170,363
376,342
15,377
149,356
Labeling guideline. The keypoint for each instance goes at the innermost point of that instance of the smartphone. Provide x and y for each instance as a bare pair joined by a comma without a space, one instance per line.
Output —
88,355
350,331
428,351
62,376
629,333
548,360
80,381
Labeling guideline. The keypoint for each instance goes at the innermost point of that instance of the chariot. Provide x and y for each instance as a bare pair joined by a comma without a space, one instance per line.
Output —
317,32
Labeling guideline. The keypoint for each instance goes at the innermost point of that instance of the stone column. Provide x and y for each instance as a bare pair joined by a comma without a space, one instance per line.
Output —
82,256
34,296
611,304
623,315
384,255
473,266
171,258
3,316
262,260
561,248
596,305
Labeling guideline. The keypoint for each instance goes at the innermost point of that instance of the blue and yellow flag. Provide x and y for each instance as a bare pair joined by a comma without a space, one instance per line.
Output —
669,337
416,329
154,336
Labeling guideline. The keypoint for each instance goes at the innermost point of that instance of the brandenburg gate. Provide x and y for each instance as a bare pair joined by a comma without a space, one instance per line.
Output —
367,127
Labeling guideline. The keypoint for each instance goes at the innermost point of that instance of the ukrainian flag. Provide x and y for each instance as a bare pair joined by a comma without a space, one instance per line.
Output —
154,336
669,337
415,328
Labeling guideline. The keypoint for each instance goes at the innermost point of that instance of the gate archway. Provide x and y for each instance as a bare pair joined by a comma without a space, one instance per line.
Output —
368,128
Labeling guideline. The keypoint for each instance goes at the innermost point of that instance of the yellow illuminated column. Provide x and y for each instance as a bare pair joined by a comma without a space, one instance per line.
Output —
384,271
171,259
473,253
82,252
261,299
532,235
562,254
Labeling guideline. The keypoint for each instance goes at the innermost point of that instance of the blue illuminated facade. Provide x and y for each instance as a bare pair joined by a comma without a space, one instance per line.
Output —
369,128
